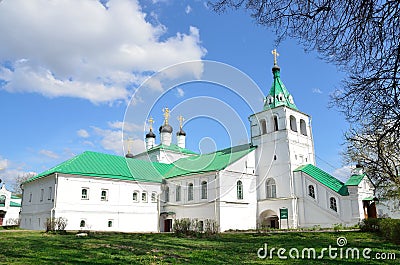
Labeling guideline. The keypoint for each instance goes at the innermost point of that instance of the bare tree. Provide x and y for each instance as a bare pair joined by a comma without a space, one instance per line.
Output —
362,37
21,179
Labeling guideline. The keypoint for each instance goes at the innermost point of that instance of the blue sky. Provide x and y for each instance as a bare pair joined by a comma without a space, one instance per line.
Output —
69,68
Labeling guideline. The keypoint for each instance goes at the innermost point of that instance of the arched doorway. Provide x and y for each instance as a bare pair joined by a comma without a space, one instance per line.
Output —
269,219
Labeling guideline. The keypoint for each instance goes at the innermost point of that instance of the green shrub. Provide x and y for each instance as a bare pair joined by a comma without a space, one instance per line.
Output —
390,229
195,227
370,225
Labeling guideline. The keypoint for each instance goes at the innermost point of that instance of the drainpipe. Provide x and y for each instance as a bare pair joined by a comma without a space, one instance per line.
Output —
216,209
52,212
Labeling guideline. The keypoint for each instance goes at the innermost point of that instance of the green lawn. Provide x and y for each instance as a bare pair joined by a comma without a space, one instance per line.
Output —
22,247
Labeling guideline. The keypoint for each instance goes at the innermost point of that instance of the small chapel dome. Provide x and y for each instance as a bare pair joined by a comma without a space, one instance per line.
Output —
129,155
181,132
166,128
150,134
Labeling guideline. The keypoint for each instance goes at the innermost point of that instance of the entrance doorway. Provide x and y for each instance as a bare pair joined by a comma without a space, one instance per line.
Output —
2,215
369,209
269,219
167,225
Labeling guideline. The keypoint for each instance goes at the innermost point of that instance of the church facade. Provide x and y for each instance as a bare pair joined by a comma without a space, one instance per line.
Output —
241,187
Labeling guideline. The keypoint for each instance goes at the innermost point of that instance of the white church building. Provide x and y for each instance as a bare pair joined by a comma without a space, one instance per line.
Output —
10,206
241,187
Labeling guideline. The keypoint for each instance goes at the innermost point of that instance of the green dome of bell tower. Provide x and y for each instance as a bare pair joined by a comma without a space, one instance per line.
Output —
278,94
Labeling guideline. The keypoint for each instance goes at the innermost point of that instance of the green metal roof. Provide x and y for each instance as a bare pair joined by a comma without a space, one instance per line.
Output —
14,204
354,180
324,178
208,162
172,147
109,166
15,197
118,167
278,94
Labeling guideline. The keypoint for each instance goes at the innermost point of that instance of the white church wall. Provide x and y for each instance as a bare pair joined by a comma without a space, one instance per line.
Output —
11,212
37,203
118,206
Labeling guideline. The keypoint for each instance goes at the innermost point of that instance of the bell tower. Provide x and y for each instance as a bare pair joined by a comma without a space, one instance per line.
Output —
284,141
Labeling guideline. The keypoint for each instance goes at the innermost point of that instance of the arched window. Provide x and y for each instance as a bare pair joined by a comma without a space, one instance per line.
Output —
270,188
110,223
135,196
166,194
263,126
2,201
178,193
204,190
85,194
303,127
311,191
275,123
190,192
293,124
82,224
239,190
333,205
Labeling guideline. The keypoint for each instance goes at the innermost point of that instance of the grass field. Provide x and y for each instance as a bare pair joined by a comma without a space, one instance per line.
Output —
28,247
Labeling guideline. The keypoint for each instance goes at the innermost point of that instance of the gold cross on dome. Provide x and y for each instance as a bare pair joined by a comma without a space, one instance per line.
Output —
166,115
151,121
129,142
181,120
276,54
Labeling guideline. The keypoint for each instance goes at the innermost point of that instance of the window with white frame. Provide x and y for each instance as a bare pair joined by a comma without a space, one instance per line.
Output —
50,193
41,194
135,196
204,190
275,123
178,193
110,223
303,127
311,191
333,204
85,194
190,192
30,197
153,197
104,195
82,223
166,194
270,188
293,123
239,190
2,200
263,126
144,196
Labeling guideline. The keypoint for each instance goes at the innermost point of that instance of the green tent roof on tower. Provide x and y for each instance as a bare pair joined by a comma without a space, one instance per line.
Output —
278,94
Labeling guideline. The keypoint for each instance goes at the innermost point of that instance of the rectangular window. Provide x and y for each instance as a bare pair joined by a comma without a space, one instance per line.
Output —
153,197
30,197
135,196
178,193
85,194
103,196
41,194
144,196
50,193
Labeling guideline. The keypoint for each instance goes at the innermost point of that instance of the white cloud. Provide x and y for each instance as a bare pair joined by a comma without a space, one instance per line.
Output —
49,154
3,163
126,126
188,9
112,140
83,133
180,92
82,49
317,91
343,173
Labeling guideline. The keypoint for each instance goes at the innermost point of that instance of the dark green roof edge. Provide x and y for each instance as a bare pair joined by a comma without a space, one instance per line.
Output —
324,178
355,180
14,204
